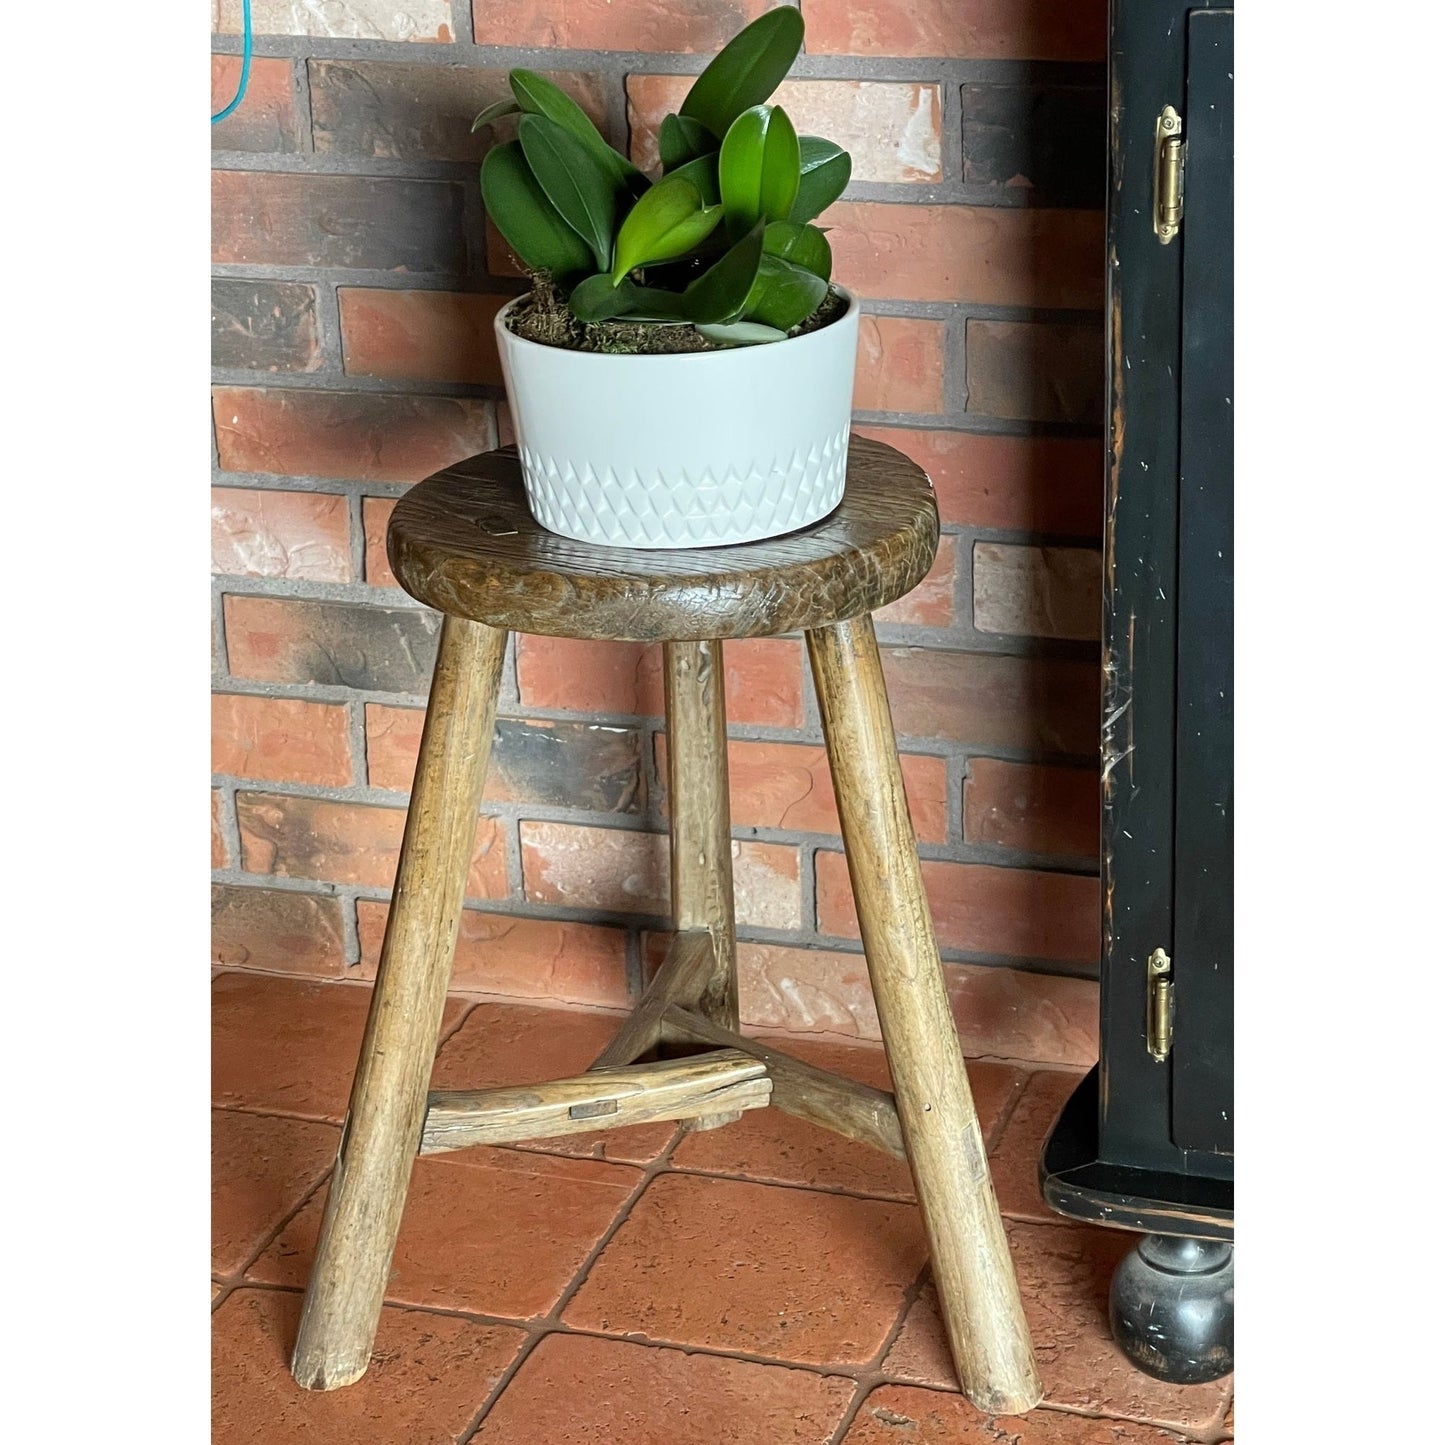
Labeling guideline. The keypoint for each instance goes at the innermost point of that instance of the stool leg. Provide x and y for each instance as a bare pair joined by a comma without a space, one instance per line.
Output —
982,1311
702,852
388,1095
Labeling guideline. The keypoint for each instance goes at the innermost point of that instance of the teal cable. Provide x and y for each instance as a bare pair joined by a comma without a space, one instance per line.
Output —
245,62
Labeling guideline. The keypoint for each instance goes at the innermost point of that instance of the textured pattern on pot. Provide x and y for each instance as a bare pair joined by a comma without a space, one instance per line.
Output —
702,449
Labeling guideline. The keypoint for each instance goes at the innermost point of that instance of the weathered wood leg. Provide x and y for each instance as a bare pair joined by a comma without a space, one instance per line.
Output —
702,850
982,1311
388,1095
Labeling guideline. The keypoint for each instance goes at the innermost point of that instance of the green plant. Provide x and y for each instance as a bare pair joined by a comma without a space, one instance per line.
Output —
722,239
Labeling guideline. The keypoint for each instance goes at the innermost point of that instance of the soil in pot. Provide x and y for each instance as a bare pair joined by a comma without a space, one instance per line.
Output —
544,318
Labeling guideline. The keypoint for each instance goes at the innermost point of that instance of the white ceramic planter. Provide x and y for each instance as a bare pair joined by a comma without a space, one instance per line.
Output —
699,450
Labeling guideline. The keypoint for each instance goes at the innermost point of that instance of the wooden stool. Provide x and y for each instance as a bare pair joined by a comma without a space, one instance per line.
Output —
464,542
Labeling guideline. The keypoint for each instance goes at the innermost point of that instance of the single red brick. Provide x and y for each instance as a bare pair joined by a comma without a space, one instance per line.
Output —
1035,370
277,931
1024,484
560,764
1041,1018
282,739
264,325
420,335
531,958
301,535
965,29
1037,591
1004,256
296,218
385,111
763,683
365,436
220,856
989,700
930,604
1033,809
627,872
266,120
356,843
652,25
900,365
891,129
978,908
418,20
375,518
338,644
789,785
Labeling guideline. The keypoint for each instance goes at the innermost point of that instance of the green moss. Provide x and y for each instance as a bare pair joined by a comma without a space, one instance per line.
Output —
544,318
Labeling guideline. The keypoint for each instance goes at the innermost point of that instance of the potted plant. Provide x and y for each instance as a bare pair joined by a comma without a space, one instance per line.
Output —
681,373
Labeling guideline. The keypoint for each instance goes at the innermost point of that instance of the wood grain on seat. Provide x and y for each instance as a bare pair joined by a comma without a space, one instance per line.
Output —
464,542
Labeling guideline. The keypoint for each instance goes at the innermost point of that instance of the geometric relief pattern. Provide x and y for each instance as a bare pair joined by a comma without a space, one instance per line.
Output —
629,509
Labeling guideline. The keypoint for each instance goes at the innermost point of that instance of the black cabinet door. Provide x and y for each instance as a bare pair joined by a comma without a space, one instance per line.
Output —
1203,1055
1147,1141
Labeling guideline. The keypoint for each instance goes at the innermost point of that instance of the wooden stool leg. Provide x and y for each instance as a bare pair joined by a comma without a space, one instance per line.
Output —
702,850
979,1295
388,1095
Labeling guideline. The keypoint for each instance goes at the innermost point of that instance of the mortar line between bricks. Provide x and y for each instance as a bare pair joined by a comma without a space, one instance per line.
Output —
462,27
938,69
301,97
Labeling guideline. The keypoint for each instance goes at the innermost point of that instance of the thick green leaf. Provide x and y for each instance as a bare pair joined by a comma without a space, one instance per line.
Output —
495,111
538,96
804,246
681,139
528,221
703,174
825,171
574,180
746,71
758,168
668,220
741,333
722,291
598,299
783,294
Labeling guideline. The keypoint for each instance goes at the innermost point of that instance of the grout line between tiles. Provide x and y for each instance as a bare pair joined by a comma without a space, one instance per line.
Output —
551,1322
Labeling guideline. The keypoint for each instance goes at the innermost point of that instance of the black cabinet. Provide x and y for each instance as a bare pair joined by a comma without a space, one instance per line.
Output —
1147,1141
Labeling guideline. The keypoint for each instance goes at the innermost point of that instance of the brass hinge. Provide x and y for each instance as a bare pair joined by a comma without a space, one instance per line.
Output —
1161,1005
1168,174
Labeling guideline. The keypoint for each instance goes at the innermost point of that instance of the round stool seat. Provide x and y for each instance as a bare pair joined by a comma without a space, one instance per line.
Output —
464,542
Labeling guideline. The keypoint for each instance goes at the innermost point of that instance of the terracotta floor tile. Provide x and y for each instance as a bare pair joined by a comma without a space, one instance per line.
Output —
261,1169
429,1376
576,1390
1014,1159
770,1145
1064,1272
898,1415
513,1044
493,1231
787,1273
288,1046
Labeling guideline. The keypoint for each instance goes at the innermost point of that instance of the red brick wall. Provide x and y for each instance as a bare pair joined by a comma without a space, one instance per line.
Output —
355,285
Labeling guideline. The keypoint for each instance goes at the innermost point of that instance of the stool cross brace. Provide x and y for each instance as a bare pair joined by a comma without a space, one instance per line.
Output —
708,1074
